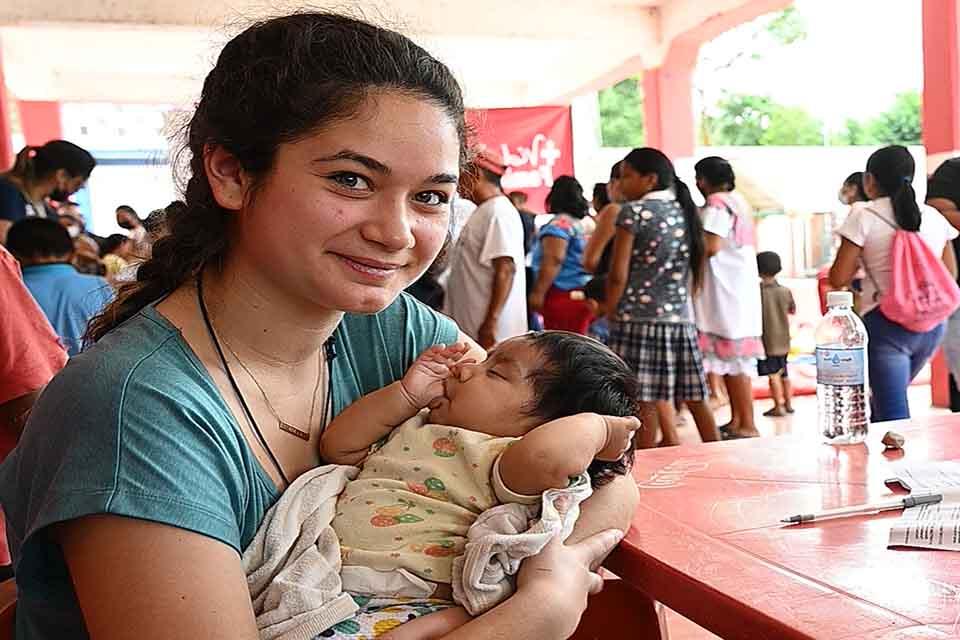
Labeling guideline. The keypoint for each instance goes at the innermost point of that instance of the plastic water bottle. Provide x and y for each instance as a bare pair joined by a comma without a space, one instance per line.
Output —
842,380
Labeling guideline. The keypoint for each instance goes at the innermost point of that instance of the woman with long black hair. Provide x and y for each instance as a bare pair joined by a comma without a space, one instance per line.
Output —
895,354
657,264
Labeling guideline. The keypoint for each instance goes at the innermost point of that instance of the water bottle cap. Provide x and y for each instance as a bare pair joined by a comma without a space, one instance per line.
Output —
840,298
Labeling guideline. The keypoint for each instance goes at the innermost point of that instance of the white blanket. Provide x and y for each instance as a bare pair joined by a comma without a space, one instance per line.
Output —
293,563
503,536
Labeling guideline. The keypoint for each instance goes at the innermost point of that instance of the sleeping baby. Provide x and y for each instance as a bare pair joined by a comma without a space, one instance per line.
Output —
541,410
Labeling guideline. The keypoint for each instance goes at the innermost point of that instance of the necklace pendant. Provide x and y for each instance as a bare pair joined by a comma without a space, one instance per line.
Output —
292,430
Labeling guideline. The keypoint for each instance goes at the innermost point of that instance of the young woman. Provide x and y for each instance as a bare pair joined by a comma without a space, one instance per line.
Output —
320,187
895,355
728,308
557,292
657,264
55,170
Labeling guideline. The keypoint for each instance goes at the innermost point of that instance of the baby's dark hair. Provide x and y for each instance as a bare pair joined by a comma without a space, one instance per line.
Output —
581,375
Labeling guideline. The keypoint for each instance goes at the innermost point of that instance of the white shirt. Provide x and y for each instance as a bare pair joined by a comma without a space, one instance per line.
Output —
493,231
728,306
865,229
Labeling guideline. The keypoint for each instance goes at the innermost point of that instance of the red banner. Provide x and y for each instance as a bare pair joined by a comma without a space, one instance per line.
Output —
536,144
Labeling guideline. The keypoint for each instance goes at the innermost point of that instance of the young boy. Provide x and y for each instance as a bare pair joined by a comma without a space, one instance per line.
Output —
525,420
777,304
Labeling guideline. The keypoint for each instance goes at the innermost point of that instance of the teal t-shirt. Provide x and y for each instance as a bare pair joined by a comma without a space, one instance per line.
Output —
136,427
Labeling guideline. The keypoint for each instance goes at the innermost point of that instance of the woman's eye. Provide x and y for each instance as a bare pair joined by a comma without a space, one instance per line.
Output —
351,181
432,198
496,374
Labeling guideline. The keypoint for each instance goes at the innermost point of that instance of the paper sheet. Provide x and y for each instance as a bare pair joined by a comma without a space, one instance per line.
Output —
930,526
932,475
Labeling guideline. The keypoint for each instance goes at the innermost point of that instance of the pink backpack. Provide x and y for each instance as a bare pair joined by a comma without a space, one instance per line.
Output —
922,293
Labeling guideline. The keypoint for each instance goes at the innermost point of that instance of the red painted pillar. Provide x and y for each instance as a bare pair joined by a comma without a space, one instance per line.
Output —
941,118
6,130
668,102
941,80
40,121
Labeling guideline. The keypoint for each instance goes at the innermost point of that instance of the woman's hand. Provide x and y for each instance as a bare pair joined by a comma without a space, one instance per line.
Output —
423,382
564,575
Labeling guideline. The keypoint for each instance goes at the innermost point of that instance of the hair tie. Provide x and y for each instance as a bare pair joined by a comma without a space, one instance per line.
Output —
907,180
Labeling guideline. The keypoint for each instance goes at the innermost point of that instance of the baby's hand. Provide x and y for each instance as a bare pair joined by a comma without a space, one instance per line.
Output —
423,382
619,437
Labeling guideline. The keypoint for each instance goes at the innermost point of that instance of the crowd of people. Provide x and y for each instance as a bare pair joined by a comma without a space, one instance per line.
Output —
190,367
680,292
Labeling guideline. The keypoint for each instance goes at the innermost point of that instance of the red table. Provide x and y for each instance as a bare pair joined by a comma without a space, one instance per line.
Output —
707,541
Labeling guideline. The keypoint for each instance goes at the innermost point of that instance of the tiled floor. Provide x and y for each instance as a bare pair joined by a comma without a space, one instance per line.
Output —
805,418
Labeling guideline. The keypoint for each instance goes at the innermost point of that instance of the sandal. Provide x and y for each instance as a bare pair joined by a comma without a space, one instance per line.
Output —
731,435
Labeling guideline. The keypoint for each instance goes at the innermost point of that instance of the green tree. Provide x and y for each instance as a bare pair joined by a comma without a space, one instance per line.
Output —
753,40
743,120
621,114
739,120
900,124
792,126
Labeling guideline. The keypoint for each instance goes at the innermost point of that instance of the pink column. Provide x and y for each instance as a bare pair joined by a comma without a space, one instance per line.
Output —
941,80
668,102
6,149
941,118
40,121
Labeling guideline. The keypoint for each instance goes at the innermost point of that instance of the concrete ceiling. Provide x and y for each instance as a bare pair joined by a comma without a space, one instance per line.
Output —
505,52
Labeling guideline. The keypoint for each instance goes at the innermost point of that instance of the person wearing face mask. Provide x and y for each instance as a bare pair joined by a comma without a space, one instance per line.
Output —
55,170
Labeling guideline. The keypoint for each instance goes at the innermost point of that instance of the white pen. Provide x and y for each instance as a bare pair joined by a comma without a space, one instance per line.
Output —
865,509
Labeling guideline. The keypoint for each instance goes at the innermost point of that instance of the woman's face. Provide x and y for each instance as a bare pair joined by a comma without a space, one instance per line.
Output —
633,185
348,217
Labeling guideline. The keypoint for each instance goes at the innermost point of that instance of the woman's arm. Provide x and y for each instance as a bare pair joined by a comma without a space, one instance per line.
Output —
554,252
619,268
950,259
602,235
713,244
845,264
141,580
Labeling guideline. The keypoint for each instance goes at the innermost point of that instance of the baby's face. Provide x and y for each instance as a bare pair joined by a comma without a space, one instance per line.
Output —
493,396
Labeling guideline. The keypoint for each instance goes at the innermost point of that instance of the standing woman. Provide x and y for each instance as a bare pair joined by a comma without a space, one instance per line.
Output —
657,264
557,292
319,188
728,307
895,355
56,170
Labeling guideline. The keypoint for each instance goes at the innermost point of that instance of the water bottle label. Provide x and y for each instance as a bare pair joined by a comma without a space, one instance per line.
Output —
840,367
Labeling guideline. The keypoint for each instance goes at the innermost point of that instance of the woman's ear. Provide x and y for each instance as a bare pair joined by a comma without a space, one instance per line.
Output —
228,181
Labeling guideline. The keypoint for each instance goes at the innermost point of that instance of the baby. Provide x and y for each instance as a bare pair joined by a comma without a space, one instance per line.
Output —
540,410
